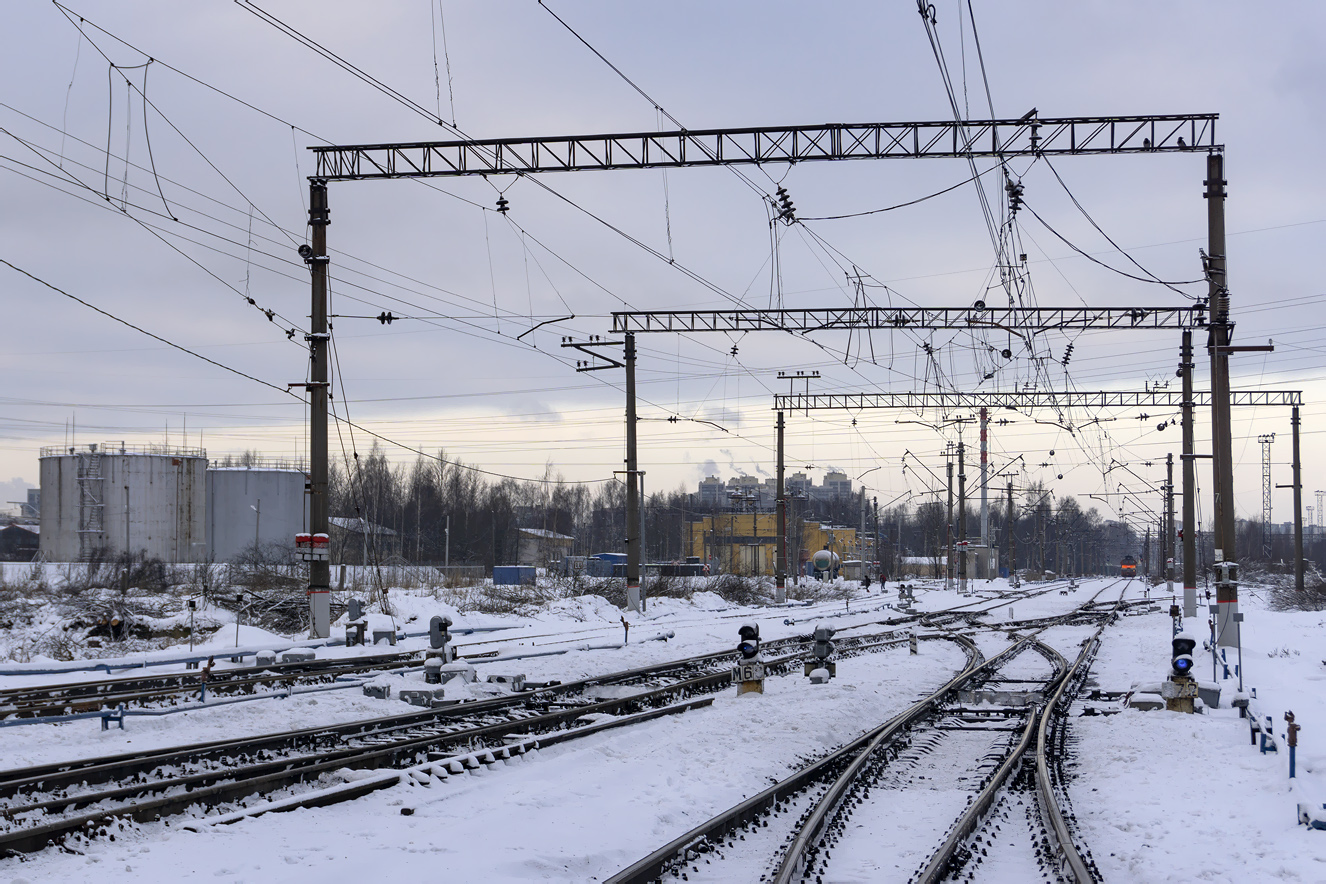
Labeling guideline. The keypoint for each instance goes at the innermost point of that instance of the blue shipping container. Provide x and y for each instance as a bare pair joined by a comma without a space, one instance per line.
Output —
513,575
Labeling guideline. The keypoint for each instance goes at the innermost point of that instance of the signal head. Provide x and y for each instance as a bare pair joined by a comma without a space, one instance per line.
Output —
749,646
1181,662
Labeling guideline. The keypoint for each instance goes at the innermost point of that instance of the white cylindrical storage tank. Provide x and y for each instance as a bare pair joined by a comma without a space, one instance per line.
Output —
105,499
262,503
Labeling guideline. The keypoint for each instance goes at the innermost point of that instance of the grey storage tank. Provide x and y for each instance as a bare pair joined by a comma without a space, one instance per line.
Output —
109,498
260,502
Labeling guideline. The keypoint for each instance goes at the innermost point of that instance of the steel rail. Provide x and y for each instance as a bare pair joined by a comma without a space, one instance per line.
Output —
696,840
794,861
796,857
34,702
939,863
216,786
1062,837
1037,724
104,768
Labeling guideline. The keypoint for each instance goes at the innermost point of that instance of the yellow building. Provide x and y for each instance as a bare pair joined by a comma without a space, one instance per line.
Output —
747,543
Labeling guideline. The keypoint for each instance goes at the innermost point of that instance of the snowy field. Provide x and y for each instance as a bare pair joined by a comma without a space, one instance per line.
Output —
1158,796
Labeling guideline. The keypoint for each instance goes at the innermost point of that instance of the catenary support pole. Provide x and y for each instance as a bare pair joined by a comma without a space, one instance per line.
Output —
319,509
780,574
962,519
948,563
1298,505
1189,484
632,487
1222,449
1010,521
1170,539
983,566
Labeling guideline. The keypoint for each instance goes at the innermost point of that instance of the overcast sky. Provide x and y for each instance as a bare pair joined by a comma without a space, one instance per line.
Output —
455,377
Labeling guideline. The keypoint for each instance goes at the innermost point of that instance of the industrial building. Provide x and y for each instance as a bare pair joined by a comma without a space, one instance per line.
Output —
541,547
747,543
260,503
19,543
103,500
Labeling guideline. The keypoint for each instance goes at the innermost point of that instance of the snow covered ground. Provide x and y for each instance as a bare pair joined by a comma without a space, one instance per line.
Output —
1158,796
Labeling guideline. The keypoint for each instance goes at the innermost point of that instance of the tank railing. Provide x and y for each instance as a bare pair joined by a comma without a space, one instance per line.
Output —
112,448
260,463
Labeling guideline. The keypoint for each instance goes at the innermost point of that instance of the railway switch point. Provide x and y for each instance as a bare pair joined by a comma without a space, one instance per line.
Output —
264,658
511,682
433,671
298,655
425,698
463,671
378,691
749,672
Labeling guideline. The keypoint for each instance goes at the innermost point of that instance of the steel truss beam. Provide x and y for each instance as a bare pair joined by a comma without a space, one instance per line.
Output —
1163,399
1014,319
1061,136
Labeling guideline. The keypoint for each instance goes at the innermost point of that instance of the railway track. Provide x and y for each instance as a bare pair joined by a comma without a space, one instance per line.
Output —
63,802
173,689
982,757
